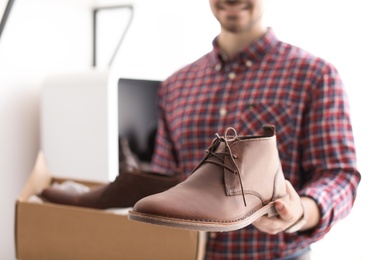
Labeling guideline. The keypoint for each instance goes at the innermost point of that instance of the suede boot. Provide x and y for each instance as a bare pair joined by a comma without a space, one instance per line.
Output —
235,184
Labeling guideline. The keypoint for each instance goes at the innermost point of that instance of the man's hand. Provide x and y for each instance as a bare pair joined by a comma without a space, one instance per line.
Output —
290,209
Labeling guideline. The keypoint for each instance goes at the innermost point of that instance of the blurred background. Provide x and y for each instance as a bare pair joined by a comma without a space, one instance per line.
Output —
43,37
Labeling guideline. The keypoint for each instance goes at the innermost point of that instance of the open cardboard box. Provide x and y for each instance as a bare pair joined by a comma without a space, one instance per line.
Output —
53,231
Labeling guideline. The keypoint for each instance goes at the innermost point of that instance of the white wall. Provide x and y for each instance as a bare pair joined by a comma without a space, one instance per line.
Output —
41,37
164,36
44,37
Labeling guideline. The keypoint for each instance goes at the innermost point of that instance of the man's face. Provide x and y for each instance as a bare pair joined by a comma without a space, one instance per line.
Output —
237,15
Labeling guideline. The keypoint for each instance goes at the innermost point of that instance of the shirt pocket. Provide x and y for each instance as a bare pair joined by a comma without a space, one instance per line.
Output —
255,115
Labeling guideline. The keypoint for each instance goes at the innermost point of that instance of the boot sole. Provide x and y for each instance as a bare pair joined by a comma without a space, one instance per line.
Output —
208,226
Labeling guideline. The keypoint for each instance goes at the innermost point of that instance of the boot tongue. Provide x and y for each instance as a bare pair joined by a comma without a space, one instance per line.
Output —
221,147
222,144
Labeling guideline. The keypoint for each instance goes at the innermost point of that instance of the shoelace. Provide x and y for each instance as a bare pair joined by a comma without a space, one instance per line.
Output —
221,155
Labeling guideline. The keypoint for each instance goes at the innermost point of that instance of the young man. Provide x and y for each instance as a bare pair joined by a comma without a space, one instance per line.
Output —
248,80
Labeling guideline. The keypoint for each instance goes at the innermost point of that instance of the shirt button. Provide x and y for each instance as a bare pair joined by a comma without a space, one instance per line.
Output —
218,67
222,111
232,75
249,63
213,235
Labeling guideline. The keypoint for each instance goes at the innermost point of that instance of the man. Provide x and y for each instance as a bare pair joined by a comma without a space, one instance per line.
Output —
249,79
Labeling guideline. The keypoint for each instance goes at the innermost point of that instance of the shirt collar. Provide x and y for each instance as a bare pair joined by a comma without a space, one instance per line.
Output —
255,51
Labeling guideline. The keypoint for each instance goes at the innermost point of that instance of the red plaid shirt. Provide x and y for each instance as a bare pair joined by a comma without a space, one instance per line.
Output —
270,82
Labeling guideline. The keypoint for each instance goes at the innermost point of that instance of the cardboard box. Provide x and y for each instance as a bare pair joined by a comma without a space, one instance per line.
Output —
53,231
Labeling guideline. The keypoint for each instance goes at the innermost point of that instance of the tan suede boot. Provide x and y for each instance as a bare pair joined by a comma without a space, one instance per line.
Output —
235,184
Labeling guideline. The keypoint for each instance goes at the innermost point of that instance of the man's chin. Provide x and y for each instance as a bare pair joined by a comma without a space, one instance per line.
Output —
233,28
232,25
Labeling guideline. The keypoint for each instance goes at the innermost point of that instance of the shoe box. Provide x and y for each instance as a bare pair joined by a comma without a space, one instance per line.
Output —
52,231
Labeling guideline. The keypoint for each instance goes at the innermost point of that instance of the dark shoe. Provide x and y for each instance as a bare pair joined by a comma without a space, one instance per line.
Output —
235,184
124,191
129,186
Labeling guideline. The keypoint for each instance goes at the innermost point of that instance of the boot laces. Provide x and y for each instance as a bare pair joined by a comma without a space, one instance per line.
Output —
221,155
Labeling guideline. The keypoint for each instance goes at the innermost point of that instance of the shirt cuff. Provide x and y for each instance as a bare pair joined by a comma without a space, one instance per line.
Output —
325,206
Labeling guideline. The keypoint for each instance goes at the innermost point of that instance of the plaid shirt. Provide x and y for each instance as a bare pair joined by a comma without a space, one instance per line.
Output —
270,82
